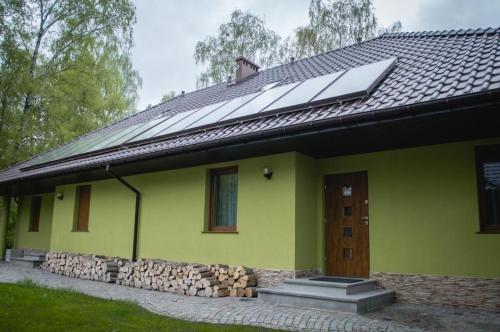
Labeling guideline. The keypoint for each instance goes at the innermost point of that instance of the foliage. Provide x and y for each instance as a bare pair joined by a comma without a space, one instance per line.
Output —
28,307
168,96
394,27
65,69
245,34
332,24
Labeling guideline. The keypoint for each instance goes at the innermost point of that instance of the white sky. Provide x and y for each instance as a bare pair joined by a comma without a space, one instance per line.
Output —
167,31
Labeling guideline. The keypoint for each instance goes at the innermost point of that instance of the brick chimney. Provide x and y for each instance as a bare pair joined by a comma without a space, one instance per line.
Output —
245,68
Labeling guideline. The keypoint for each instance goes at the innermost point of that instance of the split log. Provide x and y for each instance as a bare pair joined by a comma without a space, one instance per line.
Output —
220,292
250,292
182,278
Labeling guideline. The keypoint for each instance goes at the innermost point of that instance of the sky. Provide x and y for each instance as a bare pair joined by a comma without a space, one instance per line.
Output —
167,30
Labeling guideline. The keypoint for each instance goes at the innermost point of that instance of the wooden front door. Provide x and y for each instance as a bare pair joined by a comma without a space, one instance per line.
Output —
346,218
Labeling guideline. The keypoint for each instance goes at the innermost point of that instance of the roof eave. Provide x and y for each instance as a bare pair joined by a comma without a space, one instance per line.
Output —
453,104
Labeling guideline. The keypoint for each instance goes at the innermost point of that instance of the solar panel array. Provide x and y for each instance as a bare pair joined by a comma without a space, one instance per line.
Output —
339,86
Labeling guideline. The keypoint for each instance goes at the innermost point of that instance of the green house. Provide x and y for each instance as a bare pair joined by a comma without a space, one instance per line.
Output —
381,160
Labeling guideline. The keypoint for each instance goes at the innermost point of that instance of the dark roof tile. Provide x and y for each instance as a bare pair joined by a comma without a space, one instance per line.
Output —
431,65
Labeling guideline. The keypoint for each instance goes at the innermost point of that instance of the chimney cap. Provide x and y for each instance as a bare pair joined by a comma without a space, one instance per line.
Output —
243,59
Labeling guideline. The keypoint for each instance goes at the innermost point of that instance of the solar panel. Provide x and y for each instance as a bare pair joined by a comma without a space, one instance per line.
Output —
222,111
343,85
85,145
150,125
74,148
356,81
303,93
184,123
161,126
120,137
260,102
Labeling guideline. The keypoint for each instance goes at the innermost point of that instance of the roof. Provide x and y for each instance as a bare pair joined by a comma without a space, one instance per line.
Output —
432,66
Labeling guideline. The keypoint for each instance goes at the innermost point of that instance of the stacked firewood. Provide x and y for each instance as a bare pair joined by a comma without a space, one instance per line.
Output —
181,278
188,279
239,281
88,267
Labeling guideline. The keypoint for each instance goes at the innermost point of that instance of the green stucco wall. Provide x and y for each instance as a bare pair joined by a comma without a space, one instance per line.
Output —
423,211
111,221
306,213
422,205
36,240
174,213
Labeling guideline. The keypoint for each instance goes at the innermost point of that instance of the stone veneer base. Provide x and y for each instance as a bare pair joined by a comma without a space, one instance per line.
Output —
271,278
481,293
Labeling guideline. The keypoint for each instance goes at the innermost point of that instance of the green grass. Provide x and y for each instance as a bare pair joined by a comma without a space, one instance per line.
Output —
26,306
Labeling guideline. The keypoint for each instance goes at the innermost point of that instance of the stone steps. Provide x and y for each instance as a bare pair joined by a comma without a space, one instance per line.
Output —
344,294
24,258
25,261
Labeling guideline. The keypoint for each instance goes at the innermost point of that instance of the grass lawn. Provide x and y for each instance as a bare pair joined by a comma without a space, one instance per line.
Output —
27,307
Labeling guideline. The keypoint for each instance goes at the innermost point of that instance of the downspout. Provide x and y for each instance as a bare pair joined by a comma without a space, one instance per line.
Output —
137,208
4,221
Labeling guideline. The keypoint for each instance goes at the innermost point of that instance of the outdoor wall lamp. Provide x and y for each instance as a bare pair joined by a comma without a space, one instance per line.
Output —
60,196
268,173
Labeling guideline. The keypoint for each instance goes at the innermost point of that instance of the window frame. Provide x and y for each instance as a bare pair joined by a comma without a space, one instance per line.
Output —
484,154
35,213
77,226
214,173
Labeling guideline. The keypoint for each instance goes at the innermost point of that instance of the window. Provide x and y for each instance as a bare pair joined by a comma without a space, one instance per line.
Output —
488,175
82,208
36,204
223,199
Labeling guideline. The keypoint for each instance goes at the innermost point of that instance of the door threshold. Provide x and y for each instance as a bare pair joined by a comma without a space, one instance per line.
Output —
342,280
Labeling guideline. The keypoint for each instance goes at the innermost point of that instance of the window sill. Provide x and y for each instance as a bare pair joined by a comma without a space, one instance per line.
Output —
219,232
75,231
496,231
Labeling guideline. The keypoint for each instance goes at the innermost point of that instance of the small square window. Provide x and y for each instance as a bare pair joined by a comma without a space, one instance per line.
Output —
347,211
346,191
347,231
347,253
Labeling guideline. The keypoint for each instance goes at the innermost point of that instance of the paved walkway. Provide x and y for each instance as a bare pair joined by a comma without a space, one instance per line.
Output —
397,317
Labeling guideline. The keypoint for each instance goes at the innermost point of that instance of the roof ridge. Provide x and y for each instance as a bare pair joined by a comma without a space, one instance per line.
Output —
442,33
429,33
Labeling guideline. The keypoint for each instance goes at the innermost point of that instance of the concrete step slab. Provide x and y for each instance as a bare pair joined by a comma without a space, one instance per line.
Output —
35,256
319,285
23,261
357,303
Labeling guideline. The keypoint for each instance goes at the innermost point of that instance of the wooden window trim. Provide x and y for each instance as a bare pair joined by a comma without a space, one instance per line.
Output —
485,154
212,228
35,212
80,224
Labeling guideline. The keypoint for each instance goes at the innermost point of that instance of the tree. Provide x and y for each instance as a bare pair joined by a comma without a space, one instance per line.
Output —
65,69
246,35
334,24
168,96
394,27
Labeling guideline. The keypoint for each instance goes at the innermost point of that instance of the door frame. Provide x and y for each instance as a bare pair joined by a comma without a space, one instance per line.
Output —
325,234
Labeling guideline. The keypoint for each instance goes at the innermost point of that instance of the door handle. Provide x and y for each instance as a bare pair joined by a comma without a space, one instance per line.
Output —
365,220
